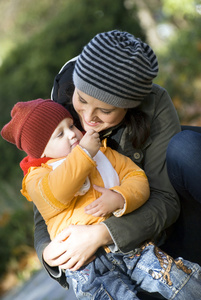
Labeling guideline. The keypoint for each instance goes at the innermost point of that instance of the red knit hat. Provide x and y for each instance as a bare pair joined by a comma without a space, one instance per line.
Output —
32,125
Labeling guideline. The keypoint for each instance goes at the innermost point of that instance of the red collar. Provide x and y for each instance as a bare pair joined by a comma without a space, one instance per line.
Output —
28,162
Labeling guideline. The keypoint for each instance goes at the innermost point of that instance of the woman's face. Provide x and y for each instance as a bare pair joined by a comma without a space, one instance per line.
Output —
95,114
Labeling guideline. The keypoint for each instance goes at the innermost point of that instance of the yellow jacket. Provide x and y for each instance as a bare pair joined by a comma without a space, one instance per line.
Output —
53,191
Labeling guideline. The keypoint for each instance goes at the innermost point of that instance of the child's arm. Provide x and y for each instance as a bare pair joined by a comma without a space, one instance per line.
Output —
102,206
132,193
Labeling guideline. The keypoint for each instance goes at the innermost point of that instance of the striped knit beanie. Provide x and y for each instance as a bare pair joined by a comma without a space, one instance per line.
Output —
32,124
116,68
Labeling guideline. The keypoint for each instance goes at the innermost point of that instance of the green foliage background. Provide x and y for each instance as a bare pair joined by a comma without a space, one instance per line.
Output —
180,66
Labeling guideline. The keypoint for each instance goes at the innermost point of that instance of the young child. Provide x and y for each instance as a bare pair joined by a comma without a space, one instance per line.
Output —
72,179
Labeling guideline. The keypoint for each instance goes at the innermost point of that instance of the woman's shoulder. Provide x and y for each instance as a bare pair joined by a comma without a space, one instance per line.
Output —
158,92
157,99
156,88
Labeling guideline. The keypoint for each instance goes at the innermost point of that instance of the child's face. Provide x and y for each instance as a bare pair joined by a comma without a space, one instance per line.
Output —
64,138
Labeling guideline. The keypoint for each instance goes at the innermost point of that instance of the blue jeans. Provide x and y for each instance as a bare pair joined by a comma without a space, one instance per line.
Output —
120,276
184,170
184,163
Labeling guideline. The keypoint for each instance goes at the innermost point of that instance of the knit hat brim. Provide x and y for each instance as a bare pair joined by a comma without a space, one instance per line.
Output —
107,96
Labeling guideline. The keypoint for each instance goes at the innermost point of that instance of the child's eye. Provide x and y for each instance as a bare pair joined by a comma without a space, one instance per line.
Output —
71,126
60,134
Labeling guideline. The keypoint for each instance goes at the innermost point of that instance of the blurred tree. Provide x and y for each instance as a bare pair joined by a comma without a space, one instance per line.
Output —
147,15
174,30
180,63
179,8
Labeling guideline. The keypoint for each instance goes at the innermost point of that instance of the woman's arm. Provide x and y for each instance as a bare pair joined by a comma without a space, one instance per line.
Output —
163,207
41,241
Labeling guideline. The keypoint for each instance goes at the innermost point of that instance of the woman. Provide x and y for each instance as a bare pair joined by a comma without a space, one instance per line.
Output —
115,96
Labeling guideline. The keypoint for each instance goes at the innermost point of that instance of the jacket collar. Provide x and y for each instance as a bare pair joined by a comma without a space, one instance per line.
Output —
29,162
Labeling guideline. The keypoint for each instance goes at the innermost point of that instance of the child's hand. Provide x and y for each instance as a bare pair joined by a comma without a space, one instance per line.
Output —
91,142
107,203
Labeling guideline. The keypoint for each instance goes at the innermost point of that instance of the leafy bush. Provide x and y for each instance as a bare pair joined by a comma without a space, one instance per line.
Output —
16,235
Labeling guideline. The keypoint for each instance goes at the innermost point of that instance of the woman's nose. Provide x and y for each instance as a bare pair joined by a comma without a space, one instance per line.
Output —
90,115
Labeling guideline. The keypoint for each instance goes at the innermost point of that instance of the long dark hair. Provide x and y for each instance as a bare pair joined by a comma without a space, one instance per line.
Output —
138,125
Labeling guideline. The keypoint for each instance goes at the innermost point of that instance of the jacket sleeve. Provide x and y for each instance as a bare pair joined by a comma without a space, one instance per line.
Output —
41,240
53,191
163,207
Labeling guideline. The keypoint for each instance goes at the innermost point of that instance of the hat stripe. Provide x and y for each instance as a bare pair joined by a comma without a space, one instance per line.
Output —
93,61
109,75
138,91
138,45
113,89
143,67
113,78
92,58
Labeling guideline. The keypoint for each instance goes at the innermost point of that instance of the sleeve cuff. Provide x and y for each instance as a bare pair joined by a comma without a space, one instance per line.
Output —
113,247
57,274
120,212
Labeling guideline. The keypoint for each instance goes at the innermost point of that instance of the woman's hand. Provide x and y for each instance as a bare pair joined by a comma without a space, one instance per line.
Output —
76,245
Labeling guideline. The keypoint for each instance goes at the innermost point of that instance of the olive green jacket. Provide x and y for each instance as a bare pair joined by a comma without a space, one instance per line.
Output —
162,209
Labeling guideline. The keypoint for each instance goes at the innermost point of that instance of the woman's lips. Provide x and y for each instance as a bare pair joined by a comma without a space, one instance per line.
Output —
92,123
